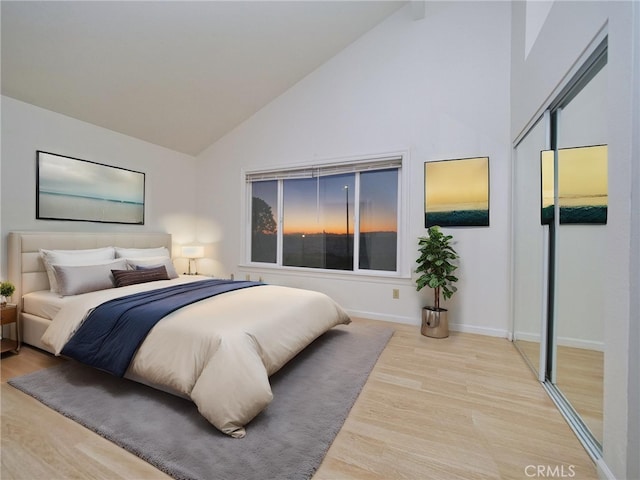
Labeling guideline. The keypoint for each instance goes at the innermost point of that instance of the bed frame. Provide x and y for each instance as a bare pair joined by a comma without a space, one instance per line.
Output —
26,270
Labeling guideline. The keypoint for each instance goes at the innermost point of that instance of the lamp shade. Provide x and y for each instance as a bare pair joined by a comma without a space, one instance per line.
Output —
193,251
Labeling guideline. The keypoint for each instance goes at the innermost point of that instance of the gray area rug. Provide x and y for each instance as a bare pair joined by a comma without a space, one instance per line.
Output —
312,397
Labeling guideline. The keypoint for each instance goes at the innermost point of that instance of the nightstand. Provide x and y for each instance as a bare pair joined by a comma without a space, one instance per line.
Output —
8,315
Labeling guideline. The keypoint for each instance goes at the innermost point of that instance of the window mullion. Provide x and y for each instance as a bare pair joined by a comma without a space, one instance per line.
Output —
356,224
400,251
280,237
248,222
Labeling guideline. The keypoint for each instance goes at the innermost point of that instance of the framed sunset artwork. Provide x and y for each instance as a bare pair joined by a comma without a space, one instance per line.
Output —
457,192
582,185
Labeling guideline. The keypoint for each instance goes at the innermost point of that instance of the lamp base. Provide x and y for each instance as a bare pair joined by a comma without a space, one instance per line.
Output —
189,272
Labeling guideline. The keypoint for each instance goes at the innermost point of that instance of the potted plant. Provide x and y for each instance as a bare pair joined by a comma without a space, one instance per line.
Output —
6,290
436,269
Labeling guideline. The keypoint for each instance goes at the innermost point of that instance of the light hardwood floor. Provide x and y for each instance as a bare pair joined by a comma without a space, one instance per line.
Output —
580,377
464,407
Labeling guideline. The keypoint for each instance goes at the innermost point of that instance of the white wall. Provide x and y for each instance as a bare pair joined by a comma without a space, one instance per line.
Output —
534,76
170,176
569,29
437,88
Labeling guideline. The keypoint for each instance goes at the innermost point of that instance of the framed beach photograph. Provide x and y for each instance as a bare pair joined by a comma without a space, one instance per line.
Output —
457,192
73,189
582,182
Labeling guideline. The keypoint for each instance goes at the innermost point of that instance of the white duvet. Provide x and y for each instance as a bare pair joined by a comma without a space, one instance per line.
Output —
220,351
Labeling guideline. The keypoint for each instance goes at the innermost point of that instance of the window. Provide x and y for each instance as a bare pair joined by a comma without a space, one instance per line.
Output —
331,217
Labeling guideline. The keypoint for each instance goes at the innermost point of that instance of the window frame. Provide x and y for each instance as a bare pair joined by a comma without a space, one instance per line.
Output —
357,164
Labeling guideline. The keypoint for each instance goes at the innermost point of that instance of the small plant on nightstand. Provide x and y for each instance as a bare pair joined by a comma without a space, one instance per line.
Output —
6,290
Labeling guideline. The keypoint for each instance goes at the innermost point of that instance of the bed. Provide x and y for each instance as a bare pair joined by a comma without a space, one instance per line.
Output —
218,351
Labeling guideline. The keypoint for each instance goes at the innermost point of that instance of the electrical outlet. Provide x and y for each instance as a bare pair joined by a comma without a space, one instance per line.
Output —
396,293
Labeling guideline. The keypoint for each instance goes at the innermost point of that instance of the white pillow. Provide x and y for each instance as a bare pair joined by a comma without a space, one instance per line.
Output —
142,252
77,279
151,262
90,256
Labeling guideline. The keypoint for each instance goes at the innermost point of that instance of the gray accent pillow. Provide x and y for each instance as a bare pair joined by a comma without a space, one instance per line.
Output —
91,256
77,279
154,262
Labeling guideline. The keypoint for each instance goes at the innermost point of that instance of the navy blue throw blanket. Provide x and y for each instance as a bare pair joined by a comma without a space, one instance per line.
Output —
113,331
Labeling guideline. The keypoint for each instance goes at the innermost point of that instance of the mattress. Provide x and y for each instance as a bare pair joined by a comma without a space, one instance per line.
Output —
44,303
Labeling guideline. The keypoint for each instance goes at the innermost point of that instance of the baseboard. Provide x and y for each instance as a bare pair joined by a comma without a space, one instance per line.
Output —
456,327
579,343
383,317
565,341
528,337
487,331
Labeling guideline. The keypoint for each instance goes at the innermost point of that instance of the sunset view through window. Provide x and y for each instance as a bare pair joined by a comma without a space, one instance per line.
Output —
327,221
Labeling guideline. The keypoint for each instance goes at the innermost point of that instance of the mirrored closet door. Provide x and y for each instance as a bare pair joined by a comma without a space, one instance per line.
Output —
580,250
559,248
530,250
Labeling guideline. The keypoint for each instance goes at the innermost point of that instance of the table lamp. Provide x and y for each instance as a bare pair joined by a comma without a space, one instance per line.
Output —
192,252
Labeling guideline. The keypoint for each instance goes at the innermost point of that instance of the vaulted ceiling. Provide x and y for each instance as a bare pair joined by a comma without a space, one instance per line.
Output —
180,74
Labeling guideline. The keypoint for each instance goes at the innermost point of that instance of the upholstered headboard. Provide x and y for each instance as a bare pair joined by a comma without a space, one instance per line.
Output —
26,270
